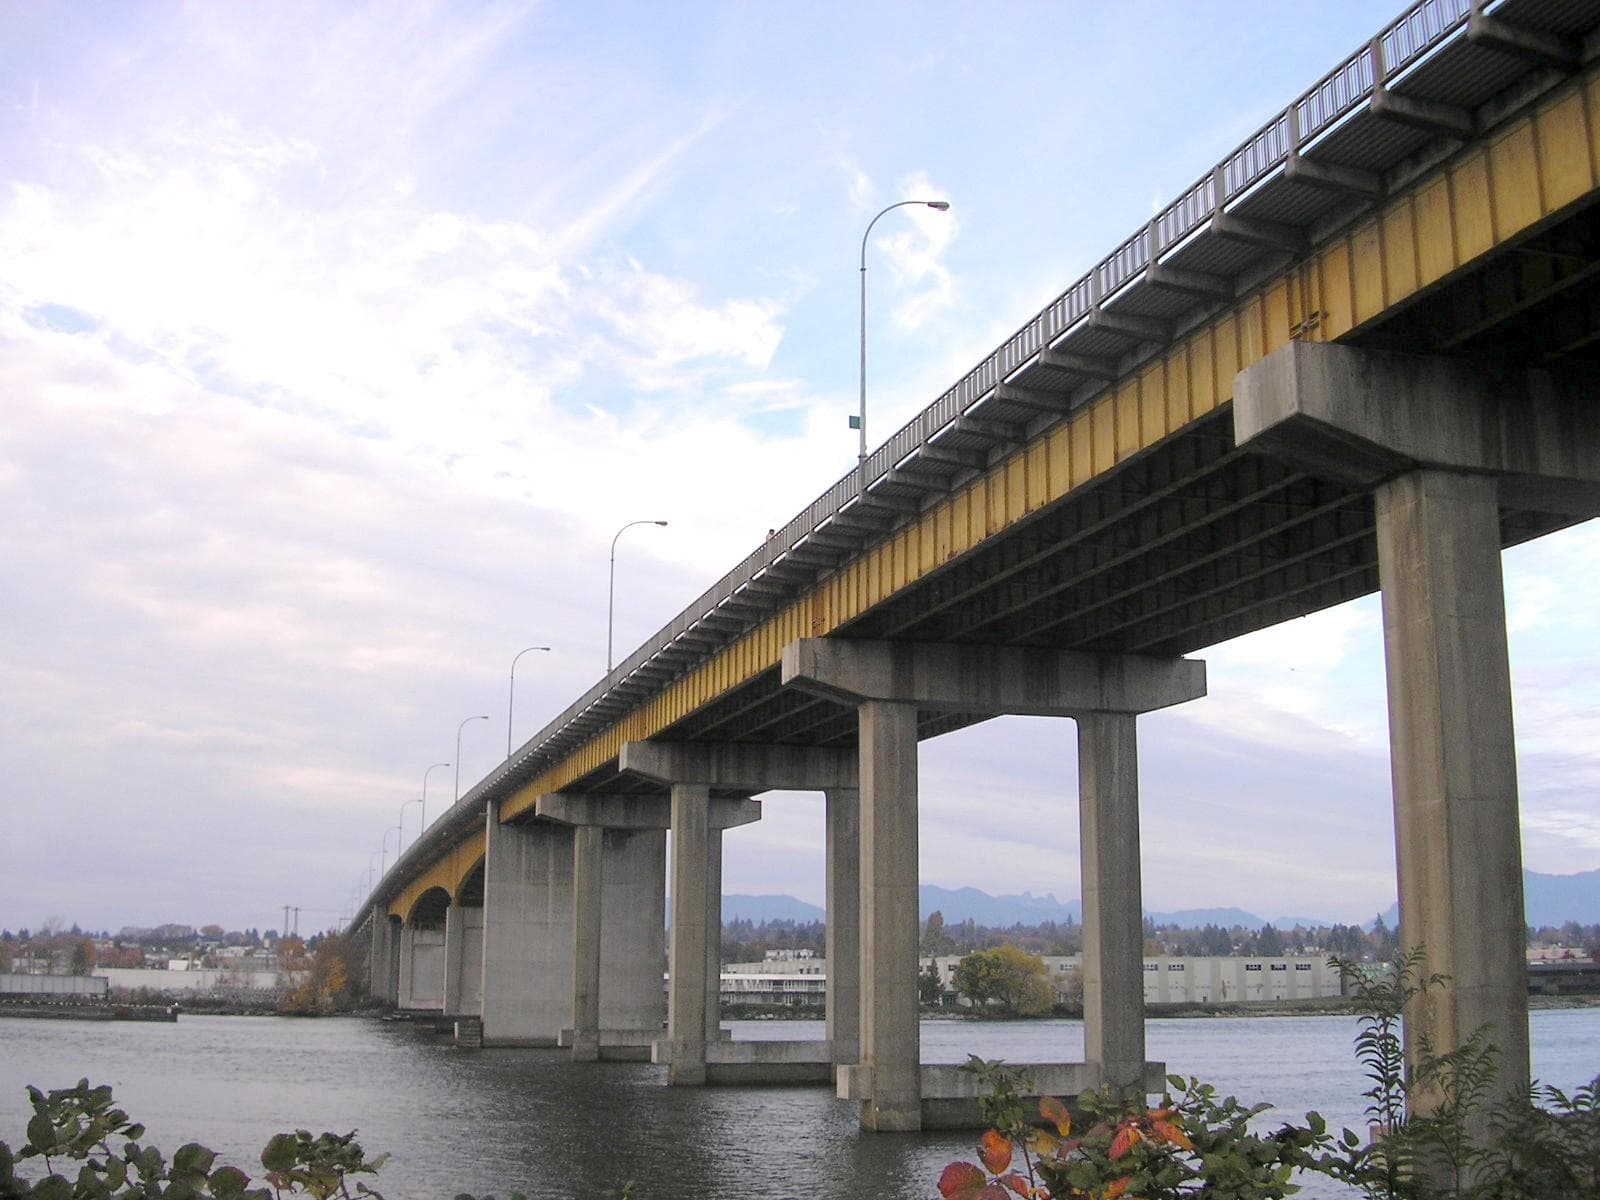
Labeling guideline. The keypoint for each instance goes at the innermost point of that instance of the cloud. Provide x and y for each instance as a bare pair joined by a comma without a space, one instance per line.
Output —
915,254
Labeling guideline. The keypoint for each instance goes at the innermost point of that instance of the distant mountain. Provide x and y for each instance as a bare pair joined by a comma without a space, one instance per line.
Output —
769,908
1549,900
1557,899
1000,912
1194,918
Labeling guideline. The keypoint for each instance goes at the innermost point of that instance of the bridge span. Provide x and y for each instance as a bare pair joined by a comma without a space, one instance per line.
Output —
1356,356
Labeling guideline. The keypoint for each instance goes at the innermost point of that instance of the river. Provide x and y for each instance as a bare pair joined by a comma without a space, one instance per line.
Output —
531,1120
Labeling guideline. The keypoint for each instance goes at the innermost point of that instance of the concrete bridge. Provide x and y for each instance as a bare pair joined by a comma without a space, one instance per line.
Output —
1356,356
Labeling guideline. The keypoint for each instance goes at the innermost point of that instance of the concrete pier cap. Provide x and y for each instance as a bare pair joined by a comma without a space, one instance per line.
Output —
1016,680
741,765
1363,416
635,812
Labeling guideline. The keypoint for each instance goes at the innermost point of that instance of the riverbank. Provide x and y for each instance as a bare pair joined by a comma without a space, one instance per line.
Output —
90,1010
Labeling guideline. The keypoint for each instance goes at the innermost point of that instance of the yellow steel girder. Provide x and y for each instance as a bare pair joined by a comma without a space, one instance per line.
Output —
1491,192
447,872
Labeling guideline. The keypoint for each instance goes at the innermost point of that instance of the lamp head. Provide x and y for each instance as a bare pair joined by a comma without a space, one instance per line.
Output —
941,205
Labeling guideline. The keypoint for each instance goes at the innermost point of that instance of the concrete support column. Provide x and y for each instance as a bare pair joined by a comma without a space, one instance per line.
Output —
691,906
454,945
890,683
408,943
891,1043
587,865
1443,444
391,987
713,976
527,933
385,959
843,946
1453,758
633,941
1113,918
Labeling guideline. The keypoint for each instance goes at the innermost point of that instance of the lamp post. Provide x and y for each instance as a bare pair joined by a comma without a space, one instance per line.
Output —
511,698
611,586
861,419
425,775
370,869
402,841
385,851
459,728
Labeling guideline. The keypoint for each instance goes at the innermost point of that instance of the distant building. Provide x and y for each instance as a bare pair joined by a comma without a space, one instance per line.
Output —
787,977
1202,980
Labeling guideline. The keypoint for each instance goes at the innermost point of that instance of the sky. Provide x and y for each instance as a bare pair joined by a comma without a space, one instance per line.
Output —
337,342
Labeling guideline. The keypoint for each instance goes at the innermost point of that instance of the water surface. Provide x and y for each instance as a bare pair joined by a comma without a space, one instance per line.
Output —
498,1120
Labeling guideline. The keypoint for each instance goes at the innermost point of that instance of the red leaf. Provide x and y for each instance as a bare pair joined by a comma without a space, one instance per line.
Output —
1127,1138
1017,1184
995,1150
1173,1132
1117,1186
1056,1113
962,1181
993,1192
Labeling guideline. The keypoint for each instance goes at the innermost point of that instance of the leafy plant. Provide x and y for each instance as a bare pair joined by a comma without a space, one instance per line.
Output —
1466,1143
1196,1145
81,1125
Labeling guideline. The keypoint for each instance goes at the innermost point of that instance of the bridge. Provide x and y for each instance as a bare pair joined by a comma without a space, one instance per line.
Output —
1355,356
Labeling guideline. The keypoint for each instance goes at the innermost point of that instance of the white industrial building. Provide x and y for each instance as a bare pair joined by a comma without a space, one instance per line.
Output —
1212,979
792,977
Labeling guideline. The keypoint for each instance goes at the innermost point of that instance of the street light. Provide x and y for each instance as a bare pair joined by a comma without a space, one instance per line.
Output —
459,728
425,775
385,859
370,857
511,699
611,587
861,419
403,808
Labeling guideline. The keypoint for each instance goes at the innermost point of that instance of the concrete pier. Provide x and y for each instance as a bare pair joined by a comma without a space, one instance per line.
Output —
527,933
1113,912
588,861
1445,445
619,921
633,947
687,1013
842,947
754,767
890,683
1454,762
891,1041
384,979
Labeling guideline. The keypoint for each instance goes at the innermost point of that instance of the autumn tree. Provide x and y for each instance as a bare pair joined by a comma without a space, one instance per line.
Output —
1007,976
323,983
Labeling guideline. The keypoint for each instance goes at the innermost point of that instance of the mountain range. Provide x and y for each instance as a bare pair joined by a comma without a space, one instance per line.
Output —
1548,900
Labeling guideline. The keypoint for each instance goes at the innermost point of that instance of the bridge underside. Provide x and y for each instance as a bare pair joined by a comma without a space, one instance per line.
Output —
1195,541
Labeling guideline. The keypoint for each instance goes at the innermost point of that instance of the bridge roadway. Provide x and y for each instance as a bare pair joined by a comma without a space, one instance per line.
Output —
1355,356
